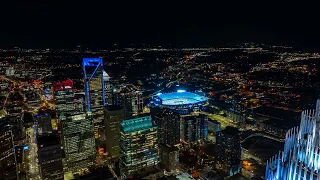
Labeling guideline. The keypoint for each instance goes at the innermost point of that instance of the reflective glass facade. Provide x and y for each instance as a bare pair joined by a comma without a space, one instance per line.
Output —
78,142
228,151
113,119
138,145
95,91
194,128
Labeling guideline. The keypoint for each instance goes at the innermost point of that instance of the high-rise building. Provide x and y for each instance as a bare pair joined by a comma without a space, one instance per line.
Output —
169,158
7,156
194,128
113,118
43,122
138,145
78,142
50,157
168,124
300,158
76,129
108,87
129,98
79,101
228,151
95,91
64,98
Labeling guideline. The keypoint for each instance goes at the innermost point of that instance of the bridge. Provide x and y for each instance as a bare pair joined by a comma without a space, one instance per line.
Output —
263,135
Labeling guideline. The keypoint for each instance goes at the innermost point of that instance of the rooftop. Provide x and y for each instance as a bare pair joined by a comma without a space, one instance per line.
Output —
137,124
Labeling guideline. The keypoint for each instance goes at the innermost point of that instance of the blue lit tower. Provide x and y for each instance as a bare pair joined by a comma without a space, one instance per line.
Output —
94,90
300,159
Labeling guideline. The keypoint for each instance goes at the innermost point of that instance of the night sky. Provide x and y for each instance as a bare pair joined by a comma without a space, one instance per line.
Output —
193,23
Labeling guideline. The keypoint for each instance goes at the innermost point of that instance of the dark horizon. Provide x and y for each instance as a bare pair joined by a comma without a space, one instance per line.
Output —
69,24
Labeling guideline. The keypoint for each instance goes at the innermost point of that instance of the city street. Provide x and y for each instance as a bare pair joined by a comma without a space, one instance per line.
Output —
32,155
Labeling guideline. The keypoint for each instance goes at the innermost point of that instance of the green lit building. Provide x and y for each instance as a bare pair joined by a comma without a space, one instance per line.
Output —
138,145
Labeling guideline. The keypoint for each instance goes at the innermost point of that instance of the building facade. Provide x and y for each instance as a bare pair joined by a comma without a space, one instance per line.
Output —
43,123
194,128
78,142
228,151
169,158
300,158
50,157
64,98
95,92
7,156
138,145
129,98
168,124
114,115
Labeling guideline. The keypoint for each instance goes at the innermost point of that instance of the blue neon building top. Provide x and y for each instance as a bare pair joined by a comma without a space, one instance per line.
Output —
91,61
137,124
181,98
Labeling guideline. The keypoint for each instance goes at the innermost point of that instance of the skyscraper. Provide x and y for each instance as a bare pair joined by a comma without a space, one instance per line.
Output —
95,92
193,128
129,98
168,124
76,128
113,118
138,145
301,156
64,98
50,157
7,156
43,123
228,151
78,142
108,86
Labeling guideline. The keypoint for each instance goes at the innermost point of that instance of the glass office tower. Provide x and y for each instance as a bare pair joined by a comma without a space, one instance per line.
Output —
138,145
95,91
78,142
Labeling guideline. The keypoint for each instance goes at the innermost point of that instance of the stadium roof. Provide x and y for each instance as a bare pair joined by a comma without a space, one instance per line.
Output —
180,98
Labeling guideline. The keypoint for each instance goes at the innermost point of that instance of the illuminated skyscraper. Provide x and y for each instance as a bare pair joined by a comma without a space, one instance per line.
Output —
64,97
300,159
78,142
7,155
76,128
95,92
138,145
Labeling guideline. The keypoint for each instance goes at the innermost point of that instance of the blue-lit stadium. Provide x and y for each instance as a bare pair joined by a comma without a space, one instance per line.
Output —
181,101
